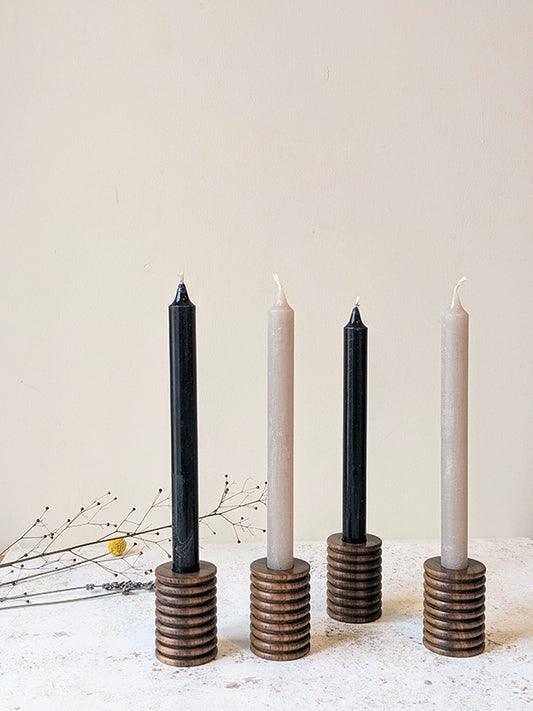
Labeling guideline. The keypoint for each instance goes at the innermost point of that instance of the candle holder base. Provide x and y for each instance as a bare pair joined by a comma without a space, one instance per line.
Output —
454,609
280,611
354,579
185,615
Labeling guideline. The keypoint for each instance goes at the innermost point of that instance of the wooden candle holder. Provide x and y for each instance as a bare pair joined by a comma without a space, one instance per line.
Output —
454,608
185,615
354,579
280,612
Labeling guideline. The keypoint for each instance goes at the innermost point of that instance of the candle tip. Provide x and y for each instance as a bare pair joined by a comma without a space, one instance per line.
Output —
355,317
456,301
182,297
282,299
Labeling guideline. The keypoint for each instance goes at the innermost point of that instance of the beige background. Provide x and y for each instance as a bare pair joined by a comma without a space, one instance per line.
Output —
372,148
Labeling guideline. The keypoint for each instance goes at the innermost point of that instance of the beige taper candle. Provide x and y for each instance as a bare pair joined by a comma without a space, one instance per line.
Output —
454,435
280,433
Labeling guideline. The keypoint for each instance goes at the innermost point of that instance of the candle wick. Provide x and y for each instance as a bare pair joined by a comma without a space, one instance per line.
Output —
181,277
357,302
456,301
282,299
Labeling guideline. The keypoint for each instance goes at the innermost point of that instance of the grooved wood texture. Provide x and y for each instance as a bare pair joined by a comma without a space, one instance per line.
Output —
185,615
354,579
454,609
280,611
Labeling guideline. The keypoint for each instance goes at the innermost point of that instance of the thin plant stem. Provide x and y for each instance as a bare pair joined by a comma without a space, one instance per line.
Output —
62,602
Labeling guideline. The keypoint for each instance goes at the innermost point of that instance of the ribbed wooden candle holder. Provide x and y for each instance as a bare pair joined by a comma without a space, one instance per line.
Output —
354,579
454,609
185,615
280,611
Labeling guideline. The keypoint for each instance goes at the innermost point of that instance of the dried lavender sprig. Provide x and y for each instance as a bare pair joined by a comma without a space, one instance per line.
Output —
125,587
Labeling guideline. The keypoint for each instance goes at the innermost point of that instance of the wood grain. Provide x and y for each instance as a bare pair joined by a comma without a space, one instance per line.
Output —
454,609
354,579
280,618
185,615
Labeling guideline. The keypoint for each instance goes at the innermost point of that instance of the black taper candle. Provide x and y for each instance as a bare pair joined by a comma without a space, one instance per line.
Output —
184,433
354,430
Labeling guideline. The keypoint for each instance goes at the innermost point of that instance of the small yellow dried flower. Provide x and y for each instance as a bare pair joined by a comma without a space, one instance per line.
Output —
117,546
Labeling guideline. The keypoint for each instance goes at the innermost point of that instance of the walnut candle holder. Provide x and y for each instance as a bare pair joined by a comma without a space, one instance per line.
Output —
185,615
354,579
454,609
280,612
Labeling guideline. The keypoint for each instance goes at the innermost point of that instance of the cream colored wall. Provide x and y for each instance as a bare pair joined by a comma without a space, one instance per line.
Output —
380,149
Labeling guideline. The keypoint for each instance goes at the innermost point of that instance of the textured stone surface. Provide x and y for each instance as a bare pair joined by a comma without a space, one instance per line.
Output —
100,654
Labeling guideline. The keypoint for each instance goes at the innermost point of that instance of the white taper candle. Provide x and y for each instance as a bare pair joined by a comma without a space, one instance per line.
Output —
454,435
280,433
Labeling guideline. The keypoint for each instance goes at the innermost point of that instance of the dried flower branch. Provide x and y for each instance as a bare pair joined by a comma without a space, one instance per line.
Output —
50,550
232,500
